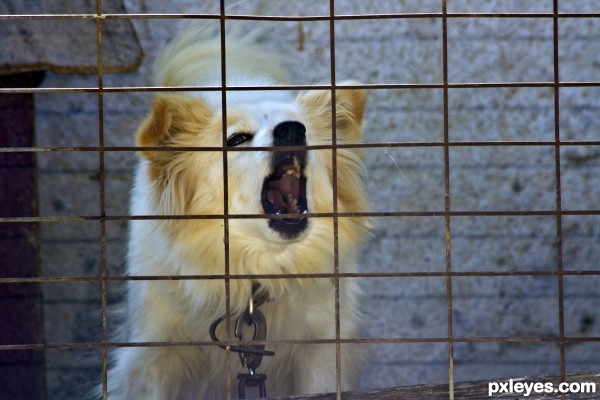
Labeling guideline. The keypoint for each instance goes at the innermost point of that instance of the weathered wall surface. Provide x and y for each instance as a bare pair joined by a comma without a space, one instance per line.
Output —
507,178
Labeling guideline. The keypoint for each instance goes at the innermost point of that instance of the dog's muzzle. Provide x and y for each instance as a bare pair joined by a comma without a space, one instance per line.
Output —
284,189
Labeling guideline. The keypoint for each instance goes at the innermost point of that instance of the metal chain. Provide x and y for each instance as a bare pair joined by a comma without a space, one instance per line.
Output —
250,354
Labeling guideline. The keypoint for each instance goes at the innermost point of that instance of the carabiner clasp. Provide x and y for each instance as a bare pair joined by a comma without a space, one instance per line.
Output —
251,355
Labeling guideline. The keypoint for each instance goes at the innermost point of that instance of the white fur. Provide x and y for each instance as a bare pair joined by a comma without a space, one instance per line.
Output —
182,310
194,59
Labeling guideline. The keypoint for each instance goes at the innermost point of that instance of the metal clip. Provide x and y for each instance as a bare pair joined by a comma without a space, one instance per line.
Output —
253,358
250,354
252,380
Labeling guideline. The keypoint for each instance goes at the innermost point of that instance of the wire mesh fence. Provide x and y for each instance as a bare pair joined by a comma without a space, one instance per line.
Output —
482,148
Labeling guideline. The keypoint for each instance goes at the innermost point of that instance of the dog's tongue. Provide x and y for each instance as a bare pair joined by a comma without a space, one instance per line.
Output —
283,193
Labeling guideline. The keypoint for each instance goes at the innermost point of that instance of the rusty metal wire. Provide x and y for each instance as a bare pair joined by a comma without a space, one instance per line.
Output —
558,212
447,199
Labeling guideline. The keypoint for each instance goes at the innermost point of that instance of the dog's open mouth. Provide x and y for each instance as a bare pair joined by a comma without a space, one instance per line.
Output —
284,192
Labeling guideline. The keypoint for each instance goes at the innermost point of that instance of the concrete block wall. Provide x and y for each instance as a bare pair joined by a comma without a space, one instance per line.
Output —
507,178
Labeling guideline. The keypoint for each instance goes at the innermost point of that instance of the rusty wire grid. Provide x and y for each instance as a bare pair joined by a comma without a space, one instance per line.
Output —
558,211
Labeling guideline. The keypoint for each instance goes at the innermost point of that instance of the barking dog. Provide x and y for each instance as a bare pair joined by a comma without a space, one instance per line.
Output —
285,185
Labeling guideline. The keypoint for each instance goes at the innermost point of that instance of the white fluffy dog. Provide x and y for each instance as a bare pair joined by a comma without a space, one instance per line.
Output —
283,184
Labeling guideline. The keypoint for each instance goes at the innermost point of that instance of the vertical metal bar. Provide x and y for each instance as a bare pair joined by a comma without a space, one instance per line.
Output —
559,256
447,231
228,367
336,259
101,182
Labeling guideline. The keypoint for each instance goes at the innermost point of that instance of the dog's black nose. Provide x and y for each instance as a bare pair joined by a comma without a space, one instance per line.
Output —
289,133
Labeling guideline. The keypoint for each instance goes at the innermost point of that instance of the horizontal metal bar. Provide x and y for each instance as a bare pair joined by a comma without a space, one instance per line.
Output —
308,18
380,86
341,275
386,340
367,214
469,143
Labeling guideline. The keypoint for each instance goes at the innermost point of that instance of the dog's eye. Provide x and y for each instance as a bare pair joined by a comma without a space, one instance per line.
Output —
238,138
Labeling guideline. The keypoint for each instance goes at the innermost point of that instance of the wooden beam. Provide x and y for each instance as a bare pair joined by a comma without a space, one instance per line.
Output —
21,372
465,391
68,46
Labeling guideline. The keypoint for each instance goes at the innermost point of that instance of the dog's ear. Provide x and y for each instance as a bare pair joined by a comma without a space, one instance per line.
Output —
349,109
172,122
